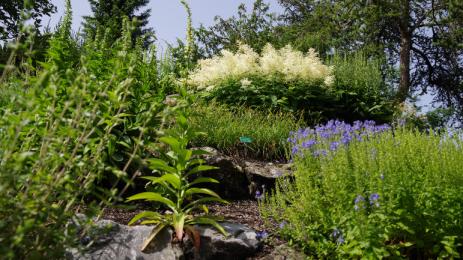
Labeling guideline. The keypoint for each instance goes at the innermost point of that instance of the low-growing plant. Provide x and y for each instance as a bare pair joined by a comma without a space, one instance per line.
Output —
367,191
225,126
175,186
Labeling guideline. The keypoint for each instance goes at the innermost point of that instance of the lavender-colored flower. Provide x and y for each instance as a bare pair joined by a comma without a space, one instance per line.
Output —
381,176
282,224
295,150
261,235
346,138
337,234
320,152
325,134
259,195
308,144
374,199
334,146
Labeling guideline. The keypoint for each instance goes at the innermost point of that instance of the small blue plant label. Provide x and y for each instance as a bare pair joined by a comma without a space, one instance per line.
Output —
245,139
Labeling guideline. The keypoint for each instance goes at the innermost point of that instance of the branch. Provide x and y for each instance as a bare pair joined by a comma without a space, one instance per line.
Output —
428,63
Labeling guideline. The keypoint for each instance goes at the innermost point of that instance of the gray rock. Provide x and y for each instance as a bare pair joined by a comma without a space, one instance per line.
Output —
241,243
241,179
116,241
262,176
233,182
113,241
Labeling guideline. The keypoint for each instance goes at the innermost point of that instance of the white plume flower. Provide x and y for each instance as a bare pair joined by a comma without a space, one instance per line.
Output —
290,63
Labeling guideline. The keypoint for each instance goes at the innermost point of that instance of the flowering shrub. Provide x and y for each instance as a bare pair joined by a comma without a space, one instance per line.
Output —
292,65
292,81
364,190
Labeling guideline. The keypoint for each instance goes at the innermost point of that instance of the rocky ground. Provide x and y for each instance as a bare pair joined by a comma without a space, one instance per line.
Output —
244,212
240,181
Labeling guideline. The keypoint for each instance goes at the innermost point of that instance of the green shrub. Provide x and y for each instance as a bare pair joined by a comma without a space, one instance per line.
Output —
364,191
223,128
77,122
361,90
291,81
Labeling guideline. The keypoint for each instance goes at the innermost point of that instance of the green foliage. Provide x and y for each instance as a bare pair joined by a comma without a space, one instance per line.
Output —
360,88
67,129
12,15
390,194
405,34
254,29
357,93
175,186
224,127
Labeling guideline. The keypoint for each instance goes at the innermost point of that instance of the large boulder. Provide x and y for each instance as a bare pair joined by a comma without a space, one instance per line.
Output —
241,243
241,179
115,241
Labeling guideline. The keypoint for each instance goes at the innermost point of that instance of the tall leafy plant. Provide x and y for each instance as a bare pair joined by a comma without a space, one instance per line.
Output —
175,186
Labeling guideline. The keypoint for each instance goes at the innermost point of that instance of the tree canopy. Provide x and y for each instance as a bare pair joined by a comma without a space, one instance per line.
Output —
108,16
10,15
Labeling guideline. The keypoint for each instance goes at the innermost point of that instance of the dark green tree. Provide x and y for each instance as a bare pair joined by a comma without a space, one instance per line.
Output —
253,28
108,17
10,15
421,37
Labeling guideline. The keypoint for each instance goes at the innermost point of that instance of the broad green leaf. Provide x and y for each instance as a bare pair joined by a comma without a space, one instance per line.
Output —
170,178
182,121
152,196
172,142
161,165
201,201
194,162
145,214
150,222
193,191
152,235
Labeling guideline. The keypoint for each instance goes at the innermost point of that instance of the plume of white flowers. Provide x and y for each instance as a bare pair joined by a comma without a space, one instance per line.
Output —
290,63
227,65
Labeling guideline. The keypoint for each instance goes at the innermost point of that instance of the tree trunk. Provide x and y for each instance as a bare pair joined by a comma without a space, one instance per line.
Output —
405,50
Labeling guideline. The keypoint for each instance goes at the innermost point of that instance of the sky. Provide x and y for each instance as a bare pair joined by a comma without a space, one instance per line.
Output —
168,17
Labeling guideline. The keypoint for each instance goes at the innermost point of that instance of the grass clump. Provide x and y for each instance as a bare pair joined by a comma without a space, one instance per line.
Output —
364,190
224,126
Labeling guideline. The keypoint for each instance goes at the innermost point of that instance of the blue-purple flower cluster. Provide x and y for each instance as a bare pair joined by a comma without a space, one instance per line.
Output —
359,201
331,136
